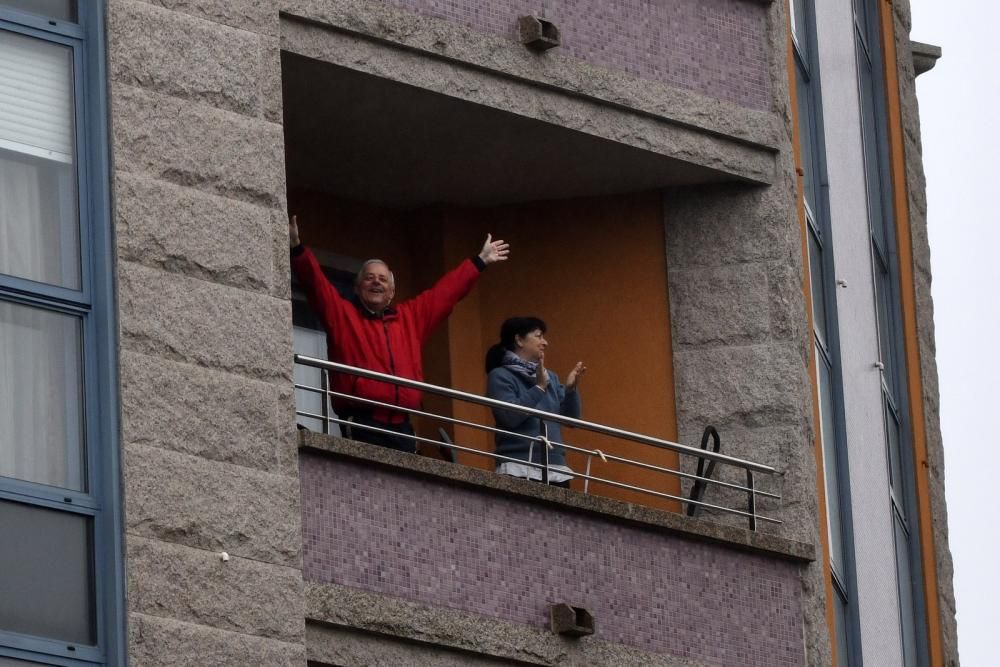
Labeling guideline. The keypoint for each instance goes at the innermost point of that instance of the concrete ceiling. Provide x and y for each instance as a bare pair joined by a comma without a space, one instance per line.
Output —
369,139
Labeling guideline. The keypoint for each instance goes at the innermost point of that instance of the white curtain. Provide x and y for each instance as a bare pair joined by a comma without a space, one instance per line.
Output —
41,425
311,343
40,376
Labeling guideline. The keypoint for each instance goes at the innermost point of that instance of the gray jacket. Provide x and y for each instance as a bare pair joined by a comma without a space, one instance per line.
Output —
506,385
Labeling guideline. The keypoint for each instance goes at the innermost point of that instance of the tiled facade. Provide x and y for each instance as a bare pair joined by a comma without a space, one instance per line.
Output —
715,47
507,558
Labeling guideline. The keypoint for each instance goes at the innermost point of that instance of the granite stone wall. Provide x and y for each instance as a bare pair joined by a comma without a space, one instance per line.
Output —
461,548
741,342
209,458
917,207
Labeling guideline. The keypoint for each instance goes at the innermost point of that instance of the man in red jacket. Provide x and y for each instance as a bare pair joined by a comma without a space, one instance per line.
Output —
368,332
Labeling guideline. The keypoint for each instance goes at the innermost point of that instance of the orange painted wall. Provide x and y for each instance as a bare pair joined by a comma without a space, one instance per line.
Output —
593,269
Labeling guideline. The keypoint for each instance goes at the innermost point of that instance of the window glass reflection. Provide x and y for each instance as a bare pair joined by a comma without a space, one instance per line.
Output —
39,229
41,395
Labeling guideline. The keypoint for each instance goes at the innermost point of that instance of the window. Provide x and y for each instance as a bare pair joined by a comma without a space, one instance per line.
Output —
825,338
60,565
881,223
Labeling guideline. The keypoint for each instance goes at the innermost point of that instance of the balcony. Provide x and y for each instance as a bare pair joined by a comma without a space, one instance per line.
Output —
435,558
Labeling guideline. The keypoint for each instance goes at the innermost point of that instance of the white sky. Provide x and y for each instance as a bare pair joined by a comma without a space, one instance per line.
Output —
959,104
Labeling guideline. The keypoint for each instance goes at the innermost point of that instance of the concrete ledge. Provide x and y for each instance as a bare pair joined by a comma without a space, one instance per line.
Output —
925,56
678,524
345,626
438,56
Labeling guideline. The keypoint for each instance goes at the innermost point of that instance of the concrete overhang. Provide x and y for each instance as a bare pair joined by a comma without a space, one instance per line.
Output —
370,139
370,121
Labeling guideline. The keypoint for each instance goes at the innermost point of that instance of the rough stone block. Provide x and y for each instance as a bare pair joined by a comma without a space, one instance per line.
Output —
197,145
176,54
728,224
210,505
164,642
271,102
281,283
786,302
254,15
171,581
215,415
186,231
762,385
202,323
719,305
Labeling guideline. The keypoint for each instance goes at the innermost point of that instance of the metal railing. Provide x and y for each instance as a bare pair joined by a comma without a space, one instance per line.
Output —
701,480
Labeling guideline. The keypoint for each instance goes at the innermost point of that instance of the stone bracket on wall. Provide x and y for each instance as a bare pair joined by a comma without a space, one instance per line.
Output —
719,141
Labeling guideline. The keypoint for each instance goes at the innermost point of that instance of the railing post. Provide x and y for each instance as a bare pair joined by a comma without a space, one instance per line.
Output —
752,498
324,381
545,448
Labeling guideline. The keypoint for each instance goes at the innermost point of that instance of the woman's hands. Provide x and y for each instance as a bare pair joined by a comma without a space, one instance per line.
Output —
573,379
541,375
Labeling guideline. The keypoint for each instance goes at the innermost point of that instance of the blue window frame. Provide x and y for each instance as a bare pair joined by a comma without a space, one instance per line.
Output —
885,269
826,340
61,568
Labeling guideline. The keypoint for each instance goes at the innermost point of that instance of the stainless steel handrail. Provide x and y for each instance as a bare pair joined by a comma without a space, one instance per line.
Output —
749,467
548,416
493,429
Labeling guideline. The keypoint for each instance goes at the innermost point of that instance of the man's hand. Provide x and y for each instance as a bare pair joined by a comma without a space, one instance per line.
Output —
541,375
293,232
573,379
494,251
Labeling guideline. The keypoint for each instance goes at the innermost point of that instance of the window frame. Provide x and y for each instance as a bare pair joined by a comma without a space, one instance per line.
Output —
94,304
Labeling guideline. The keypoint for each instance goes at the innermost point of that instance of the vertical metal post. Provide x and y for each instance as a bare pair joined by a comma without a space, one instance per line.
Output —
586,482
545,448
324,381
752,500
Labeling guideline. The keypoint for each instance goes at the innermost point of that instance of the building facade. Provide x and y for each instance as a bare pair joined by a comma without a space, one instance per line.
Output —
718,204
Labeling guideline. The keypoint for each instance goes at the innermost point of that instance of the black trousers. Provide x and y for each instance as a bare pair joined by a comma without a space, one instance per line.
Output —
398,440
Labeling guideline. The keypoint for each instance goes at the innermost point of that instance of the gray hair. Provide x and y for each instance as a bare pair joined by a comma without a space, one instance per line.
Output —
364,267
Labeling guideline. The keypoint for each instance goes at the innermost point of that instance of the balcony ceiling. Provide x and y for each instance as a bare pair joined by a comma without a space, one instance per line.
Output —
369,139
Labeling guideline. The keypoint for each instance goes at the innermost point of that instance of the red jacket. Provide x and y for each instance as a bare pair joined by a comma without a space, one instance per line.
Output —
388,344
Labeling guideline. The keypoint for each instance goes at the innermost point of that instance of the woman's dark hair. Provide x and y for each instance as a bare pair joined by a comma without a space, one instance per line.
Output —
509,330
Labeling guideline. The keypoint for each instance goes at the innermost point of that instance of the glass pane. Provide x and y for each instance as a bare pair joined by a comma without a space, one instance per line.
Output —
39,231
41,394
830,469
907,617
817,286
798,18
14,662
61,10
806,139
840,620
885,330
894,443
46,573
311,343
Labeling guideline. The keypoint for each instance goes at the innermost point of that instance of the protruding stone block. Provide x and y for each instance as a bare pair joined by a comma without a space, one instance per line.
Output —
165,642
211,414
202,323
199,146
186,231
245,596
214,506
176,54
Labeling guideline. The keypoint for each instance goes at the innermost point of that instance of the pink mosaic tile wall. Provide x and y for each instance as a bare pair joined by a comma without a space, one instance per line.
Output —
716,47
485,553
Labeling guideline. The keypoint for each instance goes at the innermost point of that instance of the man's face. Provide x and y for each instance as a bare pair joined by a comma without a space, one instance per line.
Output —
375,288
